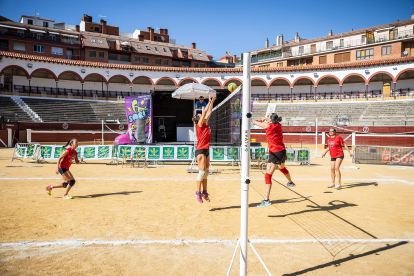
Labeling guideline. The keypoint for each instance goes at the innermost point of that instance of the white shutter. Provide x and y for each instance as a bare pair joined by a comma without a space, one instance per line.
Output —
19,46
57,51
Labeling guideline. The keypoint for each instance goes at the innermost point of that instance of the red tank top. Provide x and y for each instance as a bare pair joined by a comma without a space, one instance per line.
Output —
203,136
67,160
274,137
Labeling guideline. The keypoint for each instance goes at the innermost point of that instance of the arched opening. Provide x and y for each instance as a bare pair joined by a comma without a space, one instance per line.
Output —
353,85
15,79
213,83
232,80
279,88
119,85
327,86
303,87
71,84
405,82
44,81
165,84
380,82
259,89
94,86
187,80
142,84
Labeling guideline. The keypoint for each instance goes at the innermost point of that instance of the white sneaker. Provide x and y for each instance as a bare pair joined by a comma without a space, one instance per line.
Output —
332,185
338,186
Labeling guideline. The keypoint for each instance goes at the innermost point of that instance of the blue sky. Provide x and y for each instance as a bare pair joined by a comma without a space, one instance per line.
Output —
226,25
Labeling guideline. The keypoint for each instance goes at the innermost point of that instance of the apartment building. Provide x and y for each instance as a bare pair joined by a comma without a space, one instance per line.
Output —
391,40
97,42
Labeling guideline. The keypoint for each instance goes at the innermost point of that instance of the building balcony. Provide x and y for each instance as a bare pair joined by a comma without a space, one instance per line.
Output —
39,37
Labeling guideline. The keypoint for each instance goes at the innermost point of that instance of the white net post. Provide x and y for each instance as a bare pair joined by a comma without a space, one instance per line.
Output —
245,170
316,138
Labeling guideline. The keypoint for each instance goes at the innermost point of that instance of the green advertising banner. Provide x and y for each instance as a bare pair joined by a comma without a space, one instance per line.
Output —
21,152
139,152
89,152
31,150
154,153
46,152
104,152
125,151
58,151
218,153
233,153
290,155
168,153
183,153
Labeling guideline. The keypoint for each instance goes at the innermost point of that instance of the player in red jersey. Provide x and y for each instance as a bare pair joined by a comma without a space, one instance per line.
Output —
63,165
201,152
277,152
334,144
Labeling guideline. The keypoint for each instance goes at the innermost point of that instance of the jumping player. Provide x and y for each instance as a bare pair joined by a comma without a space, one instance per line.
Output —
202,150
63,165
277,152
335,143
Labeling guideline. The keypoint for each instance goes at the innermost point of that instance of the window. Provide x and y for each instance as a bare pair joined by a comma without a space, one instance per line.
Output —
196,65
137,59
365,54
30,22
265,65
145,60
165,62
176,63
202,66
147,47
52,38
155,38
329,45
57,51
341,43
386,50
38,48
45,24
280,64
97,29
156,49
201,55
157,61
363,38
195,54
126,58
185,64
138,47
19,46
322,60
343,57
301,49
99,41
164,50
92,54
93,40
112,56
101,54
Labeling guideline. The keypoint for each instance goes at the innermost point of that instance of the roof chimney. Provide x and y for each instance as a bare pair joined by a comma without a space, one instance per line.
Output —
165,31
397,20
296,37
86,18
140,37
267,43
151,31
234,58
77,28
412,15
352,30
103,26
193,45
330,32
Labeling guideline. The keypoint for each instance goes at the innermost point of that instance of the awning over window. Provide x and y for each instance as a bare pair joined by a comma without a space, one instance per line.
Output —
74,36
54,33
37,31
12,27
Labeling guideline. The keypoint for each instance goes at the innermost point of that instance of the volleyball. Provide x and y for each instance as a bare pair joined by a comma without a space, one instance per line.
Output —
232,87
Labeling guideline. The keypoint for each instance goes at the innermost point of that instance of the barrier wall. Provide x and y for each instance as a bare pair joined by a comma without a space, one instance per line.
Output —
384,155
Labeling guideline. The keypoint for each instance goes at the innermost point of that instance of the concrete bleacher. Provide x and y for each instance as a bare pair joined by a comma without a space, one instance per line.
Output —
9,110
385,113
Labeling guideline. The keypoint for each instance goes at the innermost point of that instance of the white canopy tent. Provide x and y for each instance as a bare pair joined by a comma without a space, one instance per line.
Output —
191,91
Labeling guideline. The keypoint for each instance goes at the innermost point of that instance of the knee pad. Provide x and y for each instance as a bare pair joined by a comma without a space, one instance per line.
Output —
207,171
72,182
284,171
200,175
64,184
268,178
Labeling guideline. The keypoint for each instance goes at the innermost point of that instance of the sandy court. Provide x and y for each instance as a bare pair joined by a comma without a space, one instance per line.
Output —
130,221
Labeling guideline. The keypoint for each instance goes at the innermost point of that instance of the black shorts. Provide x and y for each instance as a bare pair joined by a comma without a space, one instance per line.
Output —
63,170
202,151
277,157
340,157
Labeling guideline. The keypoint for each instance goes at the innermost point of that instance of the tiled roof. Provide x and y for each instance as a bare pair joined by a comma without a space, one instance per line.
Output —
29,16
208,70
87,42
345,34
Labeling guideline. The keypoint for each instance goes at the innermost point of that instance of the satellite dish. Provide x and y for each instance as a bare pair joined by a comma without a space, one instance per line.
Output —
102,16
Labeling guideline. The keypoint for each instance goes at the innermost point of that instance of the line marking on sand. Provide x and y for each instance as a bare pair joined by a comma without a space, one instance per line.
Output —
183,241
191,179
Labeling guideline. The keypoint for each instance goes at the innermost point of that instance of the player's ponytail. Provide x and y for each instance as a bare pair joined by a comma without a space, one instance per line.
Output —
275,119
69,143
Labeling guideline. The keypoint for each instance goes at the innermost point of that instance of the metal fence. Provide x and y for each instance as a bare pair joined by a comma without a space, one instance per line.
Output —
384,155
